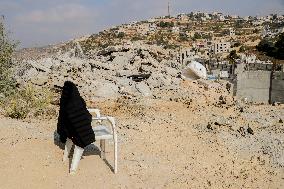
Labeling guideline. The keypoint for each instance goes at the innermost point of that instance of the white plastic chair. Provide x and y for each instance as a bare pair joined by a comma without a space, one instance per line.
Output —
102,133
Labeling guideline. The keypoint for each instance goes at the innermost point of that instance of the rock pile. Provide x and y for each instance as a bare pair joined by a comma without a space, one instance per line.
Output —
132,70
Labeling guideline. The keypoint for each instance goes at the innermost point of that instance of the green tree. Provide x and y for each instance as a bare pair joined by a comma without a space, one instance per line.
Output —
166,24
197,36
265,45
275,50
237,44
7,47
279,45
233,56
121,35
242,49
183,37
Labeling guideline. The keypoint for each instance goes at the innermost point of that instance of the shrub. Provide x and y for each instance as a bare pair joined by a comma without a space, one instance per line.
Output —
19,103
232,56
271,48
183,37
121,35
7,83
15,108
243,48
197,36
27,102
166,24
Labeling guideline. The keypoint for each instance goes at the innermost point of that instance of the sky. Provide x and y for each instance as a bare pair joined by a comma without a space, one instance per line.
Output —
43,22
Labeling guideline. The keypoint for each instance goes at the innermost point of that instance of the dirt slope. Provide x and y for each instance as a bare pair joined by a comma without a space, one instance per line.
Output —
162,144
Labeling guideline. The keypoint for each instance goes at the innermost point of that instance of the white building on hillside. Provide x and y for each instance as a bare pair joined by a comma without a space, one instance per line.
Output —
175,29
248,58
220,47
232,32
221,18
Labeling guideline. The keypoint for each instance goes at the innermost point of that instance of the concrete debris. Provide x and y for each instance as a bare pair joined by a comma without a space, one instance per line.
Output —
135,69
106,90
143,88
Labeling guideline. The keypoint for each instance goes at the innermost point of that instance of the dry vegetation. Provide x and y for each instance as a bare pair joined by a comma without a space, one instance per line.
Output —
18,102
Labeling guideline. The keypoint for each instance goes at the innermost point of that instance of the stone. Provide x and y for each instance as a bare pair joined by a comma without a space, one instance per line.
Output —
43,65
250,131
40,79
209,126
242,131
95,64
106,90
123,82
120,61
30,73
171,71
143,88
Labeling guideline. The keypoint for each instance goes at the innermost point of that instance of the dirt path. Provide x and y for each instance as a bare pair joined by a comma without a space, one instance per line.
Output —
161,145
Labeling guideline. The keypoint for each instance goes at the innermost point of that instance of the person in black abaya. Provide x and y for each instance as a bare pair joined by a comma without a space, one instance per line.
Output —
74,121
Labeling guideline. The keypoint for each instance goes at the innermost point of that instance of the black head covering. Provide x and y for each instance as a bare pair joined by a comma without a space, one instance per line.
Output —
74,120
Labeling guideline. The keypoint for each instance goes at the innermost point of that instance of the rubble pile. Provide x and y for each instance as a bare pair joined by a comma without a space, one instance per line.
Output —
132,70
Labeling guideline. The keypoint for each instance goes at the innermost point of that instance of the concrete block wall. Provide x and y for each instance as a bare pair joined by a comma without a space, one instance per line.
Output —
277,87
254,86
263,67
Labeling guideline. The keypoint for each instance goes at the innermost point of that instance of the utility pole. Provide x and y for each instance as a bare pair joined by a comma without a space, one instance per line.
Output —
2,19
169,14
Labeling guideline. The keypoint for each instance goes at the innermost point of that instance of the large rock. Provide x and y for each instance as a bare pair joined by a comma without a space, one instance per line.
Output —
106,90
121,82
120,61
121,73
41,79
95,64
158,80
44,65
171,71
143,88
31,73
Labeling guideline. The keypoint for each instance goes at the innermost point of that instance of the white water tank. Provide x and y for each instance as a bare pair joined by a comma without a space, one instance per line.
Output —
194,70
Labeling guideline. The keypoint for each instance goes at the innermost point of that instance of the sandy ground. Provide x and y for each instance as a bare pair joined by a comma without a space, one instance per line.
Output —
162,144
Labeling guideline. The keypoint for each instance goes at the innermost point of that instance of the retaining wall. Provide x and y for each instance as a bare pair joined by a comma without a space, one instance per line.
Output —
254,86
277,87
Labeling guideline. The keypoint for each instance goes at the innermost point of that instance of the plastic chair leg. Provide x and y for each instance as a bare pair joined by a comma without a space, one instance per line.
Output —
115,155
78,152
103,148
68,147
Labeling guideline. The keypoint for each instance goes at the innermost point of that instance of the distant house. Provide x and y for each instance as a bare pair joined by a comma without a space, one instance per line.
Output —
183,17
221,18
232,32
221,47
152,27
175,29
